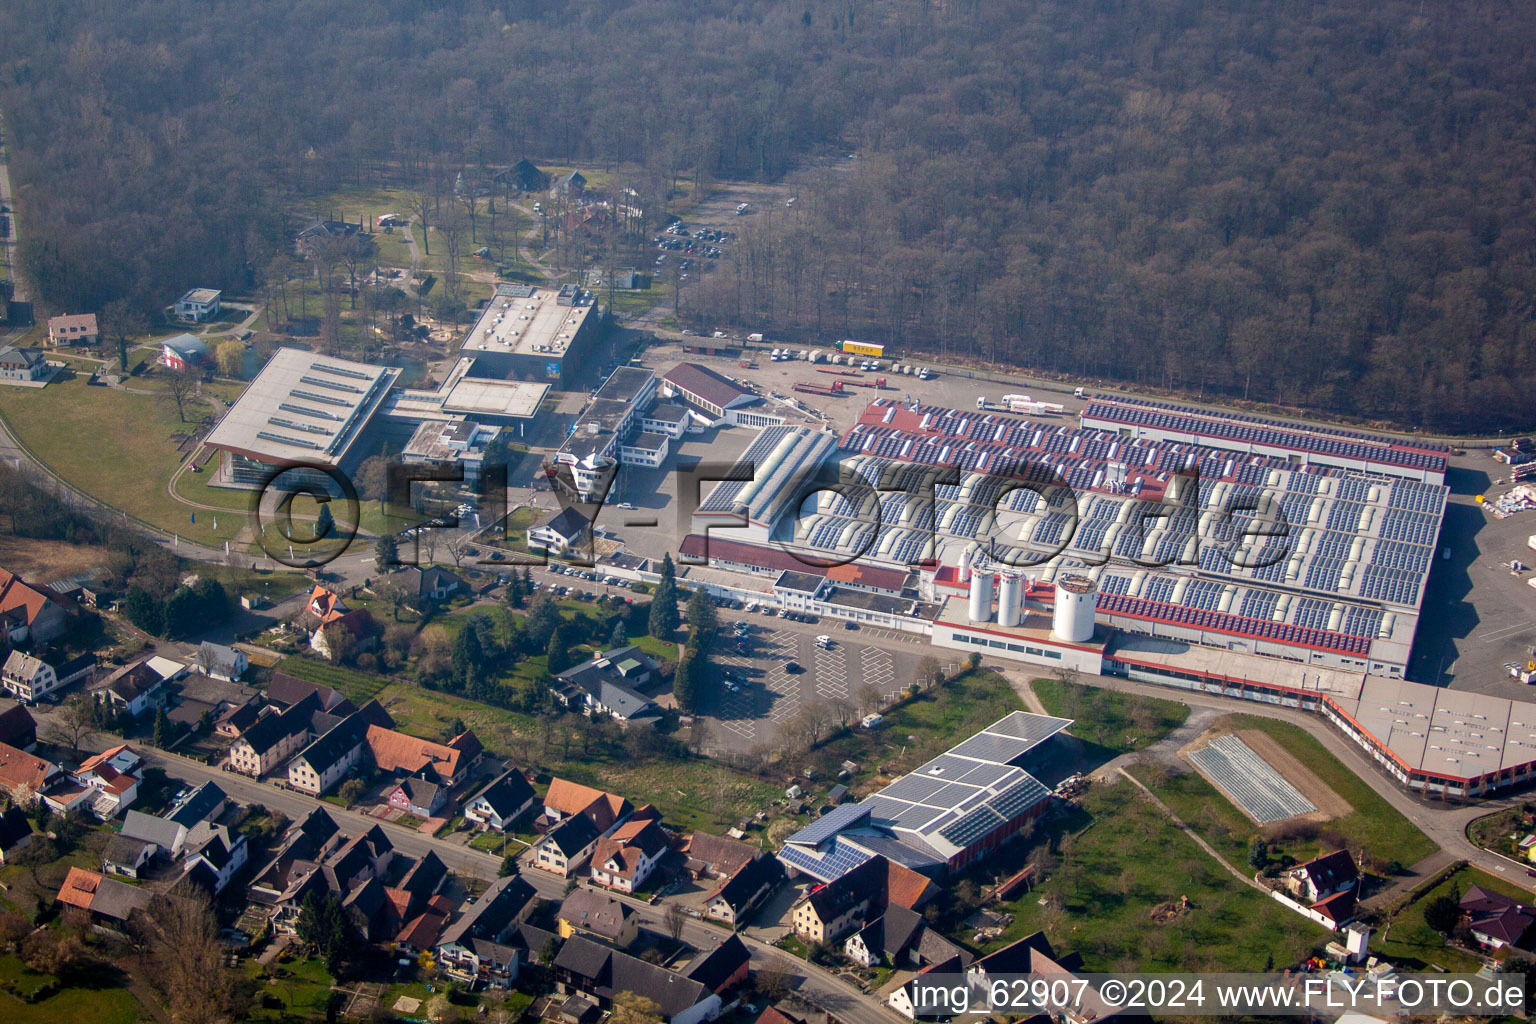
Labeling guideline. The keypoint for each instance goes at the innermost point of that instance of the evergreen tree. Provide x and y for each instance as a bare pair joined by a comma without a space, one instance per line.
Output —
543,619
514,594
324,522
386,552
183,614
161,736
143,610
686,682
509,866
468,654
560,643
664,617
619,637
703,623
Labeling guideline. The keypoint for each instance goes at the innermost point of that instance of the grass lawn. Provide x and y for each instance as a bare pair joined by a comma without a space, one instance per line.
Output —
1417,946
1121,858
927,725
1110,718
302,986
118,447
74,1006
1374,825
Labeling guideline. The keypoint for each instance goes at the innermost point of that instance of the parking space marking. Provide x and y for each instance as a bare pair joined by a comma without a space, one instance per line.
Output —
832,673
879,671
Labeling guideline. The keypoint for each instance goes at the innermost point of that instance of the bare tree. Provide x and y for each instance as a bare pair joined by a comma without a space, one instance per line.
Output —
178,387
180,936
459,547
929,673
676,918
75,721
451,230
420,206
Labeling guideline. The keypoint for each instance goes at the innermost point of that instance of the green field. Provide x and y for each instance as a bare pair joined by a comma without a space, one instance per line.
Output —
302,986
118,447
1120,858
73,1005
1374,825
1112,719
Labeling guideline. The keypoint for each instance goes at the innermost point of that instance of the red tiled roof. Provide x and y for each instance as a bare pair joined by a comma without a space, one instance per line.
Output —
79,888
395,751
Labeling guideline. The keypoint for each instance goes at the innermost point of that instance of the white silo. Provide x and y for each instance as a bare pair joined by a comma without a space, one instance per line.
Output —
965,564
1010,604
981,597
1076,598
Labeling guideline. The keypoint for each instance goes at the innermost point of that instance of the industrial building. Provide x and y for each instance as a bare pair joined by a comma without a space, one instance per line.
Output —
537,334
773,476
593,452
466,392
302,409
950,812
451,442
714,400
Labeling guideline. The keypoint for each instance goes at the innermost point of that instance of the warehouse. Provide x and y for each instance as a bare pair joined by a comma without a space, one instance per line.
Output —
535,334
950,812
1249,552
714,400
302,409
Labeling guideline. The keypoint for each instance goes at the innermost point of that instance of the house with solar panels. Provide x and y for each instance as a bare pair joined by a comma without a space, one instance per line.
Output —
948,813
302,409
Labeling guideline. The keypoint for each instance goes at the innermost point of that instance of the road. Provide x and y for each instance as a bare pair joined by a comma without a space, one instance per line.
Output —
815,985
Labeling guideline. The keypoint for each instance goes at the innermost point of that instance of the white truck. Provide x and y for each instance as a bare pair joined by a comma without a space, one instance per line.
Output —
754,337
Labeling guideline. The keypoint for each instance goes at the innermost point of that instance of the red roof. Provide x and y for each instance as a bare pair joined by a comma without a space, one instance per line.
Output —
697,546
79,888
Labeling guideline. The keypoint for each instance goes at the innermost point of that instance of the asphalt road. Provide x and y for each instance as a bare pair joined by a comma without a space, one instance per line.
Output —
813,985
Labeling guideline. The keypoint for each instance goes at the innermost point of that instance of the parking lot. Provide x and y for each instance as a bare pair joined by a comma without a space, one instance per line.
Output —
860,667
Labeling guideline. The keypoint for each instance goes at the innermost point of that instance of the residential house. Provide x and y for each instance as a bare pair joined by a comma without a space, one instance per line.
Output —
274,738
232,722
30,678
135,689
419,797
285,691
165,835
601,973
25,364
306,845
311,239
735,897
566,847
903,999
421,933
607,684
112,779
223,852
126,856
199,305
432,583
446,763
1496,920
572,184
711,856
899,938
204,802
501,803
15,833
73,329
565,530
23,777
1033,958
353,872
321,608
358,623
474,949
774,1015
522,176
221,662
598,914
17,726
197,700
182,353
564,799
625,858
319,766
721,969
106,898
831,911
1324,876
28,613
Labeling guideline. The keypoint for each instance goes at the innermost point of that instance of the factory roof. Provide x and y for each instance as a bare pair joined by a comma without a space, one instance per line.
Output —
936,811
525,320
303,407
776,472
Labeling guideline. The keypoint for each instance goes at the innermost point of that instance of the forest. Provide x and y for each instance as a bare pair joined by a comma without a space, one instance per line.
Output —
1320,205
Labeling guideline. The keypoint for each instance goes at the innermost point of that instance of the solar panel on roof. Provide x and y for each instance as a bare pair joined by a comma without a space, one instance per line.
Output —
1019,797
823,828
971,827
989,747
